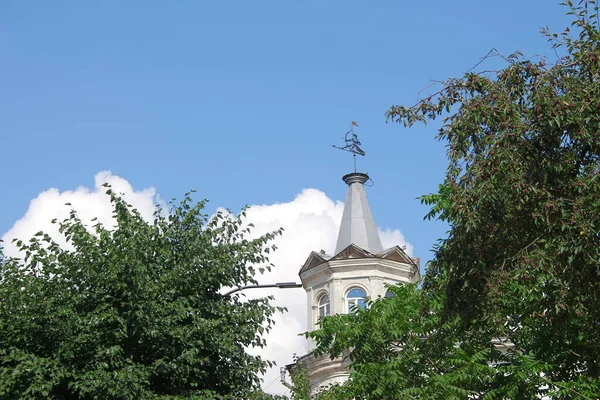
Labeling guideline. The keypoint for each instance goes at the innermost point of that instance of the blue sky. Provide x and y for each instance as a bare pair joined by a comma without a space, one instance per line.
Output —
240,100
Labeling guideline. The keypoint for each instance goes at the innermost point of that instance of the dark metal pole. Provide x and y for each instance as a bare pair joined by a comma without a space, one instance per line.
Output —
280,285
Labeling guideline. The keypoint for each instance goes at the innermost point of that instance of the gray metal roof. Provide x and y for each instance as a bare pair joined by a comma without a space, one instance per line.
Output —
358,226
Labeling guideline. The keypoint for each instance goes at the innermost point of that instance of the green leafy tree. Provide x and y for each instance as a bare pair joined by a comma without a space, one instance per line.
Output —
300,385
135,311
509,304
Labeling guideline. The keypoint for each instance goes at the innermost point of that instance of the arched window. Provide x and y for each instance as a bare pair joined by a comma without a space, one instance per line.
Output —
324,308
389,293
356,297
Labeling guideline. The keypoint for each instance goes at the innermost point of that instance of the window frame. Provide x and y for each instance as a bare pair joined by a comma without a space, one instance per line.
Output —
354,301
323,306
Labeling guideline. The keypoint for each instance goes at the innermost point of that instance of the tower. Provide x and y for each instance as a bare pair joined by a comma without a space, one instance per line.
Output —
358,270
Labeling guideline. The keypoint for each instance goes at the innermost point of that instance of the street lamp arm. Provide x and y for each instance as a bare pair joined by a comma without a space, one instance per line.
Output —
280,285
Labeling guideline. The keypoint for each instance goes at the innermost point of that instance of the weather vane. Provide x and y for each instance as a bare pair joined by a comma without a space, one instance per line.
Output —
352,143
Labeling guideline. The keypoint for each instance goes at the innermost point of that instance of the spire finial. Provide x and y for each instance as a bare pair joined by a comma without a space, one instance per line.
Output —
352,143
355,177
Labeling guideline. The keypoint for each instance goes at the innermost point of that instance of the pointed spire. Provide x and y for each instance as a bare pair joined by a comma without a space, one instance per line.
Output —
358,226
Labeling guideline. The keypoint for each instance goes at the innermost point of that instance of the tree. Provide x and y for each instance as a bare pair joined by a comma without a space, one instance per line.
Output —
300,386
135,312
509,303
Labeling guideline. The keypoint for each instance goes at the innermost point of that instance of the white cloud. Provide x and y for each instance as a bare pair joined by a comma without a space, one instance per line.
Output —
310,222
88,203
394,237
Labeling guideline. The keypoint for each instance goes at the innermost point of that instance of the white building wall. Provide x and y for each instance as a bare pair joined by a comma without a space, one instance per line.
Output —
336,278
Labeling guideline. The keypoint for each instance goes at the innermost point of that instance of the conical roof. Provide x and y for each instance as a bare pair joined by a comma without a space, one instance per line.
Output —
358,226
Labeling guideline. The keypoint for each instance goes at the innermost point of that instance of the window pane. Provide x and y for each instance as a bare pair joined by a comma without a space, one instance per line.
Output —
356,293
324,300
362,303
324,306
351,305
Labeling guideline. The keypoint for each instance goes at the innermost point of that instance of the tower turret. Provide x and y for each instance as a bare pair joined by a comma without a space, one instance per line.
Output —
358,269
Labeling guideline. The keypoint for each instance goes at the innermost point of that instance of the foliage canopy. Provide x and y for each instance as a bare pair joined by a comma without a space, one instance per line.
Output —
135,312
509,306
